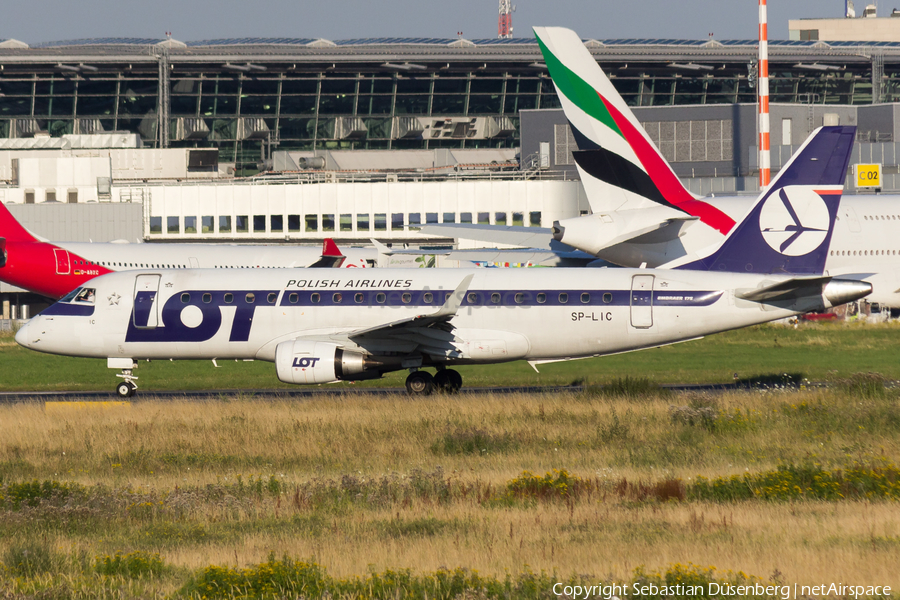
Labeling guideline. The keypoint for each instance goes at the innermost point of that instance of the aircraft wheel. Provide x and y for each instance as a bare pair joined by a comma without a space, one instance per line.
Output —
420,383
125,389
448,381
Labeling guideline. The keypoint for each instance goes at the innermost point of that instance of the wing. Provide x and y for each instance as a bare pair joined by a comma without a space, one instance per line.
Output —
514,235
423,334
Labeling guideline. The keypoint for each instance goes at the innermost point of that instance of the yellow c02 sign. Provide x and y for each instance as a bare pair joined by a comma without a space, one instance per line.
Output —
868,176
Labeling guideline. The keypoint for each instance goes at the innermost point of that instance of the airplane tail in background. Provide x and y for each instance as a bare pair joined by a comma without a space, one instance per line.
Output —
331,258
11,230
620,166
788,230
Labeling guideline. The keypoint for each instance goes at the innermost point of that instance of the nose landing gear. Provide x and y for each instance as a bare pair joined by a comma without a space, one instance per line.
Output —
127,387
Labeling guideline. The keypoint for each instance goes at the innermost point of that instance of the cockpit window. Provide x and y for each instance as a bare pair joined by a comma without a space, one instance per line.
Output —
85,295
71,295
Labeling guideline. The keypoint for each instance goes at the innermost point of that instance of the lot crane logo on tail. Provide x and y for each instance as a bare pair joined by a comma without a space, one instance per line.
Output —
795,221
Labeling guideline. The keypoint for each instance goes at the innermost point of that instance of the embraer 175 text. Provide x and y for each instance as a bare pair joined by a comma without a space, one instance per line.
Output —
325,326
55,269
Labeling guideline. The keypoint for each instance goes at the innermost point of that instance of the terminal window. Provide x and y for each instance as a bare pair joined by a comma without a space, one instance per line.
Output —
224,224
173,225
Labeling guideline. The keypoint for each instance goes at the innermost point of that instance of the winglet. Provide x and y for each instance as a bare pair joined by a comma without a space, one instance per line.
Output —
382,249
454,300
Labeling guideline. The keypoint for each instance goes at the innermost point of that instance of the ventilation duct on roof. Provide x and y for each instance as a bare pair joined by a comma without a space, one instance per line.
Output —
252,128
498,127
189,128
406,128
25,128
349,128
88,126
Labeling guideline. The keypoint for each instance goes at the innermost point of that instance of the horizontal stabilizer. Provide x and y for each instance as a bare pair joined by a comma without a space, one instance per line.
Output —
789,289
514,235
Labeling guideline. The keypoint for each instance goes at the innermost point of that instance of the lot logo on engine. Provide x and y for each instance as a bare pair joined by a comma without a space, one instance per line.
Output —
305,362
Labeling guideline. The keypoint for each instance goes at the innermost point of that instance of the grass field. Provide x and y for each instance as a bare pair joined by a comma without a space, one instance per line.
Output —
817,351
459,497
368,485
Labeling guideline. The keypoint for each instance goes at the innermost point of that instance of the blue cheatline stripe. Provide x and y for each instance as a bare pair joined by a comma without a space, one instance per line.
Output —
436,298
68,310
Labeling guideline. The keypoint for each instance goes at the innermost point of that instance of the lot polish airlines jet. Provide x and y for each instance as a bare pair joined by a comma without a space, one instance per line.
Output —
642,214
326,326
55,269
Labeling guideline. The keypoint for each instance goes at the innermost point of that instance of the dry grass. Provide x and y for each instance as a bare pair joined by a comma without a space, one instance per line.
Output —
185,454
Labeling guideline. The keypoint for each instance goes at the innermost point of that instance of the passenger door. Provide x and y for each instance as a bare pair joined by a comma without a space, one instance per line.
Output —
642,301
146,293
63,264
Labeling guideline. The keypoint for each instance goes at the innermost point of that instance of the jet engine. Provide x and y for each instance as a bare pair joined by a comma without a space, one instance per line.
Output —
304,362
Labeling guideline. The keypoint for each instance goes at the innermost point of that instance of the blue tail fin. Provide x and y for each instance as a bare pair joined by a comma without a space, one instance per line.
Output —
789,228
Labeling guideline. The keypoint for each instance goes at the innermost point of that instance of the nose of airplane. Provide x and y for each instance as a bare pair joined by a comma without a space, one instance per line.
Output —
23,336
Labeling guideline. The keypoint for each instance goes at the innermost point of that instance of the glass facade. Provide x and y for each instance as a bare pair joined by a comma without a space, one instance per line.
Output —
304,103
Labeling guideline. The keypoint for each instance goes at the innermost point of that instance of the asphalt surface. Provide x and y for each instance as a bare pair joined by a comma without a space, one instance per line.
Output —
308,393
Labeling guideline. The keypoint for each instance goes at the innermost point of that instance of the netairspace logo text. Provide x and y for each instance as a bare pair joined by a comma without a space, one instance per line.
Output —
786,592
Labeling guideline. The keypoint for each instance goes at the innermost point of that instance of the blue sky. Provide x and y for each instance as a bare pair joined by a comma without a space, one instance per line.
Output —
35,21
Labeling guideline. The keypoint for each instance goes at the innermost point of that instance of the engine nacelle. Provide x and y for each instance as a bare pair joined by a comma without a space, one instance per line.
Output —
305,362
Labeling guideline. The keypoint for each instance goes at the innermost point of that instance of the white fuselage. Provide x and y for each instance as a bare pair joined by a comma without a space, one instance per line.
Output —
506,315
117,256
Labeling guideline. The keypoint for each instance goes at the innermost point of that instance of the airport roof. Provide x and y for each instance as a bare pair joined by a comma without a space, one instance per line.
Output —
386,41
388,50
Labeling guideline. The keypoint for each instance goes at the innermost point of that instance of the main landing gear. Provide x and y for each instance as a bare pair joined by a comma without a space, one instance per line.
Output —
421,383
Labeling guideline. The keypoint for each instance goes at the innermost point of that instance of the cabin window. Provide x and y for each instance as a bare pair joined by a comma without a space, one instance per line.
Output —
207,298
520,298
495,298
229,298
406,298
315,298
358,298
472,298
380,298
428,298
337,298
271,298
563,298
607,298
250,298
185,298
541,298
585,298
